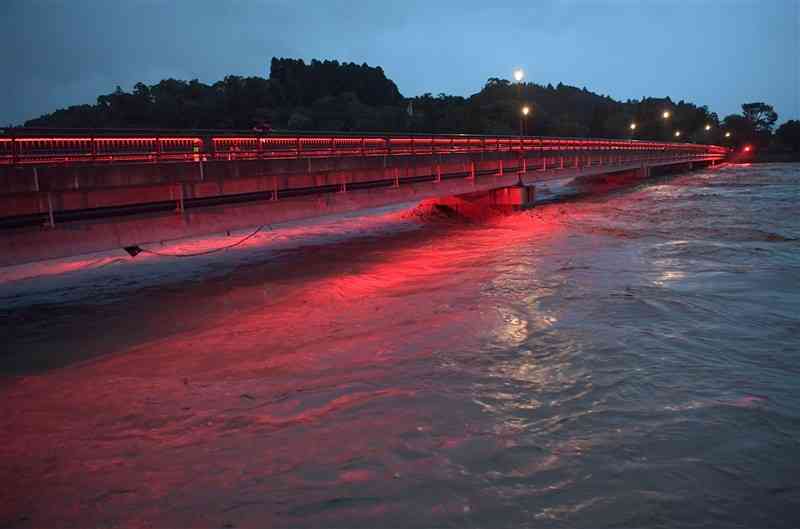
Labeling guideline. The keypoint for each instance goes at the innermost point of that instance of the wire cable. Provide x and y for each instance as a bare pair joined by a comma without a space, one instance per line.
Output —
207,252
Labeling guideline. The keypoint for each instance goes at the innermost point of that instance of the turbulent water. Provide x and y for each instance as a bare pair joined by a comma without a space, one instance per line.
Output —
626,360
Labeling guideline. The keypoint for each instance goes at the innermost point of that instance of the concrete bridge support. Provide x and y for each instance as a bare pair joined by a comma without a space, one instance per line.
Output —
492,202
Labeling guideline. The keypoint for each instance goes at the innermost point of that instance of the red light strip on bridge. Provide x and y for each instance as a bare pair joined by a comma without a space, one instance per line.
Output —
74,149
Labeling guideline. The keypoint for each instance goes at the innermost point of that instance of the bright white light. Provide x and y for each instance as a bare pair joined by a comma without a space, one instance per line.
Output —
633,126
519,75
666,114
708,127
677,134
525,111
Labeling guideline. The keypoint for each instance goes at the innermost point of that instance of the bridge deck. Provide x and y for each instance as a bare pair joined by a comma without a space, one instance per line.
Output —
32,146
68,194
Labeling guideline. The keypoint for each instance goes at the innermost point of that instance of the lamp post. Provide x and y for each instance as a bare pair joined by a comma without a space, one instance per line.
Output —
728,138
519,75
677,134
665,115
523,119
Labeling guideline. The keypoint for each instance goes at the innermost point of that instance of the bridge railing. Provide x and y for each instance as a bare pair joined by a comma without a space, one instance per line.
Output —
23,148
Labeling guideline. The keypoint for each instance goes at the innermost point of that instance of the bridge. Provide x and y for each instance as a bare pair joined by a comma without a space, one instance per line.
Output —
70,192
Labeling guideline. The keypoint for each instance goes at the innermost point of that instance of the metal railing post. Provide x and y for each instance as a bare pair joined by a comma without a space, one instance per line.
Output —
14,151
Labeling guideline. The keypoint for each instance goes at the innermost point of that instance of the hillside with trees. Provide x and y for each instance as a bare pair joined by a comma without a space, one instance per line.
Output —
333,96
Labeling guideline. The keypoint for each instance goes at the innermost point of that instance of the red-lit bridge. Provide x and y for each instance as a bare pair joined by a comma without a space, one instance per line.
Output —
72,192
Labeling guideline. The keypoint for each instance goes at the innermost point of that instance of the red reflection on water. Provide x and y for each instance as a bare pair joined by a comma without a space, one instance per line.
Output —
59,266
283,400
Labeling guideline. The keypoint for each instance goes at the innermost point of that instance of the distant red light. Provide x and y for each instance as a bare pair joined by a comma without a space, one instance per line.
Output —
747,148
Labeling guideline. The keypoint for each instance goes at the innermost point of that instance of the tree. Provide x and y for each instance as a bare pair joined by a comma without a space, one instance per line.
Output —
740,127
789,134
597,122
299,121
762,115
494,82
329,95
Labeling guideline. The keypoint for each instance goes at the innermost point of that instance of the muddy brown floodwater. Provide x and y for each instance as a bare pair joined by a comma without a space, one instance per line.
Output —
626,360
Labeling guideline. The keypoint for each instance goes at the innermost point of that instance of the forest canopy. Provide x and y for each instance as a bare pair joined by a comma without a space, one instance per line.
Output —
333,96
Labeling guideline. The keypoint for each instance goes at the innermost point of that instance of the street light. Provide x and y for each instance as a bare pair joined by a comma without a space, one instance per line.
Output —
632,126
519,75
728,134
708,127
666,114
677,134
523,119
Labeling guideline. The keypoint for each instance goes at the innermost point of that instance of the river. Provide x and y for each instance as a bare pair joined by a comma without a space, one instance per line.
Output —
627,359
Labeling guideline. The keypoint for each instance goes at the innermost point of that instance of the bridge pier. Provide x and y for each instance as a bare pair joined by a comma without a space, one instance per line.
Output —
514,197
487,203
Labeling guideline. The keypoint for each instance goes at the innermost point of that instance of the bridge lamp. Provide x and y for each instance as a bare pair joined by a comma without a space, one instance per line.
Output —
519,75
677,134
523,118
666,114
632,126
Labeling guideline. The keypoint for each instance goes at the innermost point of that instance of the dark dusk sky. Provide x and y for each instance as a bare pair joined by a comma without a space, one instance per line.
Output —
719,53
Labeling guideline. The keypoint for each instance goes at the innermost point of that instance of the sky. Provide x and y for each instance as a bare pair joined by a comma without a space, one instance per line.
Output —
719,53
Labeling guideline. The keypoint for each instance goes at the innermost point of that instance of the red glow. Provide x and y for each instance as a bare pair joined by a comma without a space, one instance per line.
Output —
747,148
236,401
90,148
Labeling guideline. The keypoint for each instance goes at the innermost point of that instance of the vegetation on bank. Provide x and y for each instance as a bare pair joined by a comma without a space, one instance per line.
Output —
333,96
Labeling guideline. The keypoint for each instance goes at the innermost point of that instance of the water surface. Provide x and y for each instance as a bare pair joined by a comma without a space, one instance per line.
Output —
628,360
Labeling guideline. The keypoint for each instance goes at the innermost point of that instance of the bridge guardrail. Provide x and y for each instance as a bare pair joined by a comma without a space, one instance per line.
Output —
74,148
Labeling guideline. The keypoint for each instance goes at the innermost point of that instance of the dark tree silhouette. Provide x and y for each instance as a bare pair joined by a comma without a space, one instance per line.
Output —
789,134
742,129
762,115
334,96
